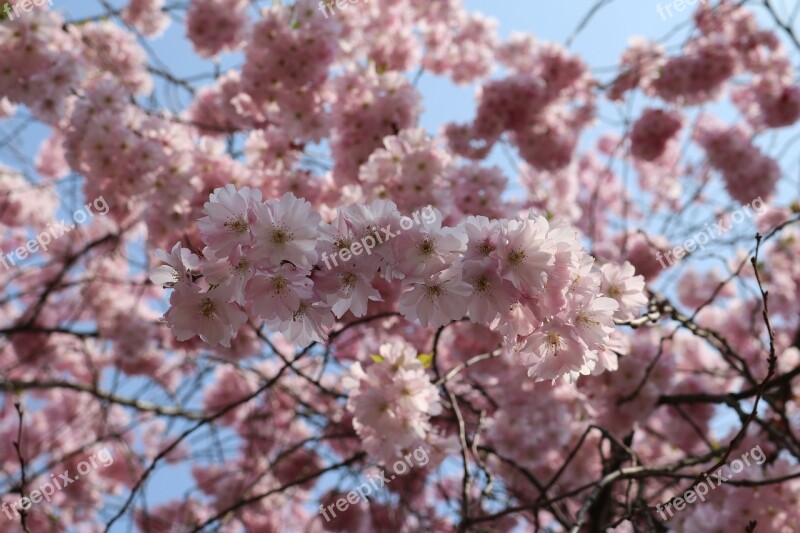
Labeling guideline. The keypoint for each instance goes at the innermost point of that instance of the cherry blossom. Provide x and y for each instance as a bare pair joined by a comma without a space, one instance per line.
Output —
304,288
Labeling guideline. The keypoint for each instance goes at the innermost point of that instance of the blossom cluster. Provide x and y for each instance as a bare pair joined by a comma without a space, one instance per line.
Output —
309,150
392,402
748,172
147,16
525,278
530,105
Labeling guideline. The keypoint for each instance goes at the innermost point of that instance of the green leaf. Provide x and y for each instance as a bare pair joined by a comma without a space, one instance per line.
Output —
426,359
377,358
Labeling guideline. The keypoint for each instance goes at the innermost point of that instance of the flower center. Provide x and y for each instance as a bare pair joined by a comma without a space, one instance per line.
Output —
426,248
434,291
280,237
586,320
243,266
516,257
300,313
279,284
341,243
482,283
554,342
207,308
237,226
485,248
349,280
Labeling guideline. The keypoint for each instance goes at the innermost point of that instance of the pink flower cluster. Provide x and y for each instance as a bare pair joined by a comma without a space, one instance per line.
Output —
748,173
729,42
410,170
641,61
651,133
392,402
35,53
458,44
215,26
287,58
111,49
368,108
698,75
769,102
274,202
529,105
147,16
277,260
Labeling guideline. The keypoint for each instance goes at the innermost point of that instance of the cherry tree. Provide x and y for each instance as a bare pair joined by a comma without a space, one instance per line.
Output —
297,309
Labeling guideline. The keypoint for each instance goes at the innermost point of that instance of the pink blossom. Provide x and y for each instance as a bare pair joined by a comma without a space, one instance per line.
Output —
209,315
625,288
215,26
286,230
180,264
392,401
748,172
652,131
146,16
310,322
227,223
525,253
556,351
437,300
